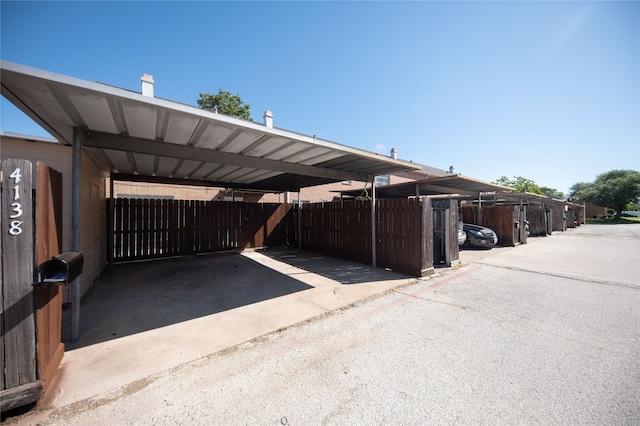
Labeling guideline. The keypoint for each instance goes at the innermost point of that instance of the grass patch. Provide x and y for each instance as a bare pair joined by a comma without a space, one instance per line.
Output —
621,221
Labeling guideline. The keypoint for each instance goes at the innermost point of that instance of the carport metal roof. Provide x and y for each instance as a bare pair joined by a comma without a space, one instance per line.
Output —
461,187
133,135
455,184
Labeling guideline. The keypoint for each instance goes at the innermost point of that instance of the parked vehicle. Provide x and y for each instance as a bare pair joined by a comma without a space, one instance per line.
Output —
479,236
462,236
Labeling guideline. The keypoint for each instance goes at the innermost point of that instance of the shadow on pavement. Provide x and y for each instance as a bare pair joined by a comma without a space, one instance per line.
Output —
138,297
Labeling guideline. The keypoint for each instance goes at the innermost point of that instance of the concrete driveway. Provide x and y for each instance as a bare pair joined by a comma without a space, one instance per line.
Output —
520,343
144,318
149,319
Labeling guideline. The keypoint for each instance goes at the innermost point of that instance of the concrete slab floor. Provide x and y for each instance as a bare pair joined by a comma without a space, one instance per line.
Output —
144,318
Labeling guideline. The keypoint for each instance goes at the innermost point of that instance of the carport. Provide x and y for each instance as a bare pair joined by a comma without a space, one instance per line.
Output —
136,136
445,195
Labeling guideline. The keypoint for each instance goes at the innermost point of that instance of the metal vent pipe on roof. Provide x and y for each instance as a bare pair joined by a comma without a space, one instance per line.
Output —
268,118
394,153
451,169
147,85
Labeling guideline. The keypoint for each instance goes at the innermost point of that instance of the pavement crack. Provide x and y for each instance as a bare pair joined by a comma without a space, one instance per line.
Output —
569,277
456,305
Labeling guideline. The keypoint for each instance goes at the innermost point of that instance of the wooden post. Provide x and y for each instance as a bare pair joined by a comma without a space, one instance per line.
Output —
374,251
18,270
110,219
299,222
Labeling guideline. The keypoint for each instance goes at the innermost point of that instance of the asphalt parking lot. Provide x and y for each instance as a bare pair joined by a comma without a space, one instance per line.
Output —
544,333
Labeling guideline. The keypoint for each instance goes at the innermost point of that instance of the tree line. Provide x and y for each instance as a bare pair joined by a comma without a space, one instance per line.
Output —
616,189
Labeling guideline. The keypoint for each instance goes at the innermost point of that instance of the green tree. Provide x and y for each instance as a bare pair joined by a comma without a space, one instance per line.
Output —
614,189
551,192
225,103
519,184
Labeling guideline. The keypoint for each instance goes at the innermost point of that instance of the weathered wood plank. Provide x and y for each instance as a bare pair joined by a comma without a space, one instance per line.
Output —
18,274
48,300
20,395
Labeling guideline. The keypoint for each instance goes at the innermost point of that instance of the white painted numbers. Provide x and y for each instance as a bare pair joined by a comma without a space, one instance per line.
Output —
15,226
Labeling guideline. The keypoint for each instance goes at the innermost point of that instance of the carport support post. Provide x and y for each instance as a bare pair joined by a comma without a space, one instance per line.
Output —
110,225
299,222
75,229
374,253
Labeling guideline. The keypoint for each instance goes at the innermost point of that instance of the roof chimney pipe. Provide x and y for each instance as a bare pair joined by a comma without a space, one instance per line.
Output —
147,85
268,118
451,169
394,153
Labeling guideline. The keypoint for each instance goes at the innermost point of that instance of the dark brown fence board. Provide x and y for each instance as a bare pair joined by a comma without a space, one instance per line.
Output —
404,234
146,229
538,221
501,219
445,215
342,229
48,300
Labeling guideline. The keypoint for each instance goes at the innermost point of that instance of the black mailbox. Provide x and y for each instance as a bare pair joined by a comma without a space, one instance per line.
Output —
61,269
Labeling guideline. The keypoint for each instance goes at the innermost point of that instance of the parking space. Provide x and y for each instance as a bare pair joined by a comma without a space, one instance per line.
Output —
144,318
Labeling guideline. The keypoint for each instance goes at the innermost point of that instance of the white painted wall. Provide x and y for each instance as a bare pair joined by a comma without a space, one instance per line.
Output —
58,157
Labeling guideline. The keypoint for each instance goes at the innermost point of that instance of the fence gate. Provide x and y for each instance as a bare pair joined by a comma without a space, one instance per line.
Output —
31,222
445,232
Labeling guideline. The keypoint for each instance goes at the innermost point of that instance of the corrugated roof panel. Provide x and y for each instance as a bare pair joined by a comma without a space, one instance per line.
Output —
258,175
214,136
241,141
185,169
238,174
321,159
166,166
144,163
222,172
307,155
267,146
119,160
180,128
287,151
95,112
141,121
204,170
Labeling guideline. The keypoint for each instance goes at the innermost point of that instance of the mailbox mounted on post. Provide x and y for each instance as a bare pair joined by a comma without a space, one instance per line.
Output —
61,269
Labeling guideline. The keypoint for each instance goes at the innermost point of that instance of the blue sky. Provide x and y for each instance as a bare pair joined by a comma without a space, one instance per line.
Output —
545,90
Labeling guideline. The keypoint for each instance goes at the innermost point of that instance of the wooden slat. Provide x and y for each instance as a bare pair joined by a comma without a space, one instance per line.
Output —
48,300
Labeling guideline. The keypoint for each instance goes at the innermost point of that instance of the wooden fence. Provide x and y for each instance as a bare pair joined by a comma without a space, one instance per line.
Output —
507,221
342,229
540,221
404,231
404,240
558,217
31,347
147,229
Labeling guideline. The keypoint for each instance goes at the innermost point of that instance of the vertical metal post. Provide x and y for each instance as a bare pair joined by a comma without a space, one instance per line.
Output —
75,229
110,221
479,208
374,248
299,222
